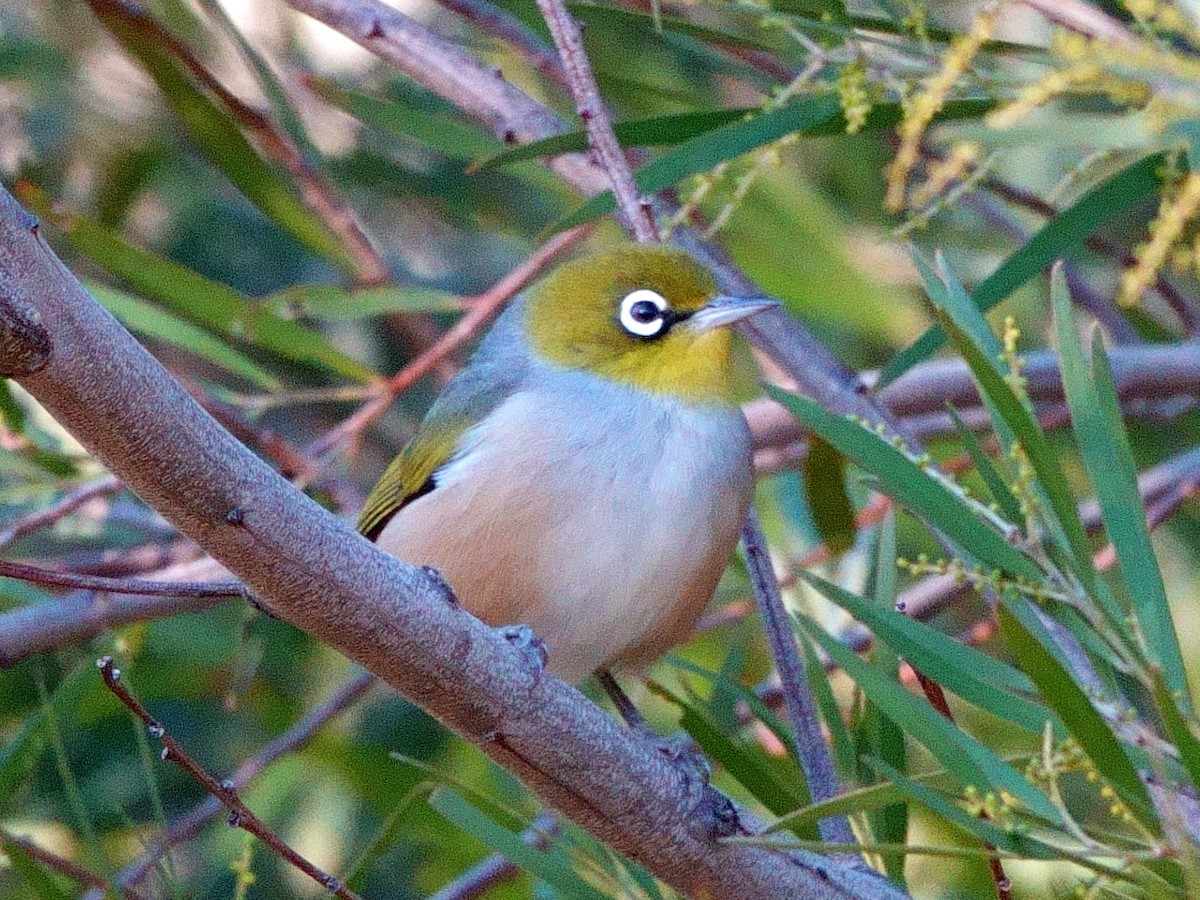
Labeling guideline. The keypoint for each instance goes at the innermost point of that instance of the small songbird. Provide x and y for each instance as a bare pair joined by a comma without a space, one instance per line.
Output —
588,473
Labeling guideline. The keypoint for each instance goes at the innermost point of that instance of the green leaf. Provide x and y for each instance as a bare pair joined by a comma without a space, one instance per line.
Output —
11,412
972,337
1034,650
152,322
215,130
1178,729
822,691
648,132
912,487
216,306
1060,237
588,13
972,763
722,682
1104,446
436,130
334,304
37,880
552,866
19,754
1010,507
825,490
982,829
705,151
976,677
808,116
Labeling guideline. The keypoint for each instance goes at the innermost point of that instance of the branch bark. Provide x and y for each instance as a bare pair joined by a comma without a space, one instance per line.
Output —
398,621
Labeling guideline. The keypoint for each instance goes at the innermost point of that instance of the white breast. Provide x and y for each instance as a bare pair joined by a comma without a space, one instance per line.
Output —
598,516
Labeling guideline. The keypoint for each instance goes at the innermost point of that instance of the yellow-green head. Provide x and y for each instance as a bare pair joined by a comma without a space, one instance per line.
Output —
650,317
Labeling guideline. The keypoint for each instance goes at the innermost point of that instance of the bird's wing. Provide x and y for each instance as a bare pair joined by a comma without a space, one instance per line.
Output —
469,398
411,474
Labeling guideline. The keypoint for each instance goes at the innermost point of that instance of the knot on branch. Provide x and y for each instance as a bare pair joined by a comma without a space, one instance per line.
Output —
25,344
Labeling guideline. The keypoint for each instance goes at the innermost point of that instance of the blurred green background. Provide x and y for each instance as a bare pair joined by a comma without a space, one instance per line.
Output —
173,152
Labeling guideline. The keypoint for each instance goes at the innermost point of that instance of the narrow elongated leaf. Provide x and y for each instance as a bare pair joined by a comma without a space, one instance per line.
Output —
215,130
1060,237
1178,729
335,304
38,882
916,490
18,755
825,490
979,828
436,130
551,866
1009,506
660,24
822,691
1104,446
654,131
1028,642
746,764
967,328
144,319
806,116
972,763
211,304
883,736
11,413
720,681
705,151
976,677
671,130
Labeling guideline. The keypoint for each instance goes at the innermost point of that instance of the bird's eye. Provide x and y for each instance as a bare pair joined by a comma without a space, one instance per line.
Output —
644,313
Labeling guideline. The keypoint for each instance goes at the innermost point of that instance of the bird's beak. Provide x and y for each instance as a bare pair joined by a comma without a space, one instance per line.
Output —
727,310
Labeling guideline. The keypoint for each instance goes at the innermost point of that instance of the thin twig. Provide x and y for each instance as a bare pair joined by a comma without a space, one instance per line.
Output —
295,738
499,24
639,218
811,750
64,506
497,868
131,586
240,815
73,870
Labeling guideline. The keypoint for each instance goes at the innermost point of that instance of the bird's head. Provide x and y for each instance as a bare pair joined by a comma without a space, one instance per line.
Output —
648,317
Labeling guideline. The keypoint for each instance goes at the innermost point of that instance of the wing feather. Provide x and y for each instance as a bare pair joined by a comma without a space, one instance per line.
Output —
496,371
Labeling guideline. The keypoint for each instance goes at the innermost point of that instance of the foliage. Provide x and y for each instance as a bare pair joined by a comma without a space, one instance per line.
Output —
214,172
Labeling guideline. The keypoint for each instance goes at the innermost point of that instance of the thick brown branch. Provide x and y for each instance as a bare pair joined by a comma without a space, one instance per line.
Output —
398,621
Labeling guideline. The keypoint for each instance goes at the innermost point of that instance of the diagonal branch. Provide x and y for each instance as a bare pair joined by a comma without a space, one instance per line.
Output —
398,621
811,749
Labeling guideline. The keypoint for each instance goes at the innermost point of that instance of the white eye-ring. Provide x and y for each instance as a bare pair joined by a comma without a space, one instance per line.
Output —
644,313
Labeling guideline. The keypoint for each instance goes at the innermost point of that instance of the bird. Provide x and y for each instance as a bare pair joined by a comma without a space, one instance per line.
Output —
588,472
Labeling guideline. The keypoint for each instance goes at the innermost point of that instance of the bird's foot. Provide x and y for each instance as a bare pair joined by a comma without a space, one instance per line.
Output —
257,604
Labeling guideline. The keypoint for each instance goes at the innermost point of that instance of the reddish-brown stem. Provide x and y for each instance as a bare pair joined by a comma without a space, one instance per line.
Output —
64,506
188,826
240,815
131,586
480,310
73,870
